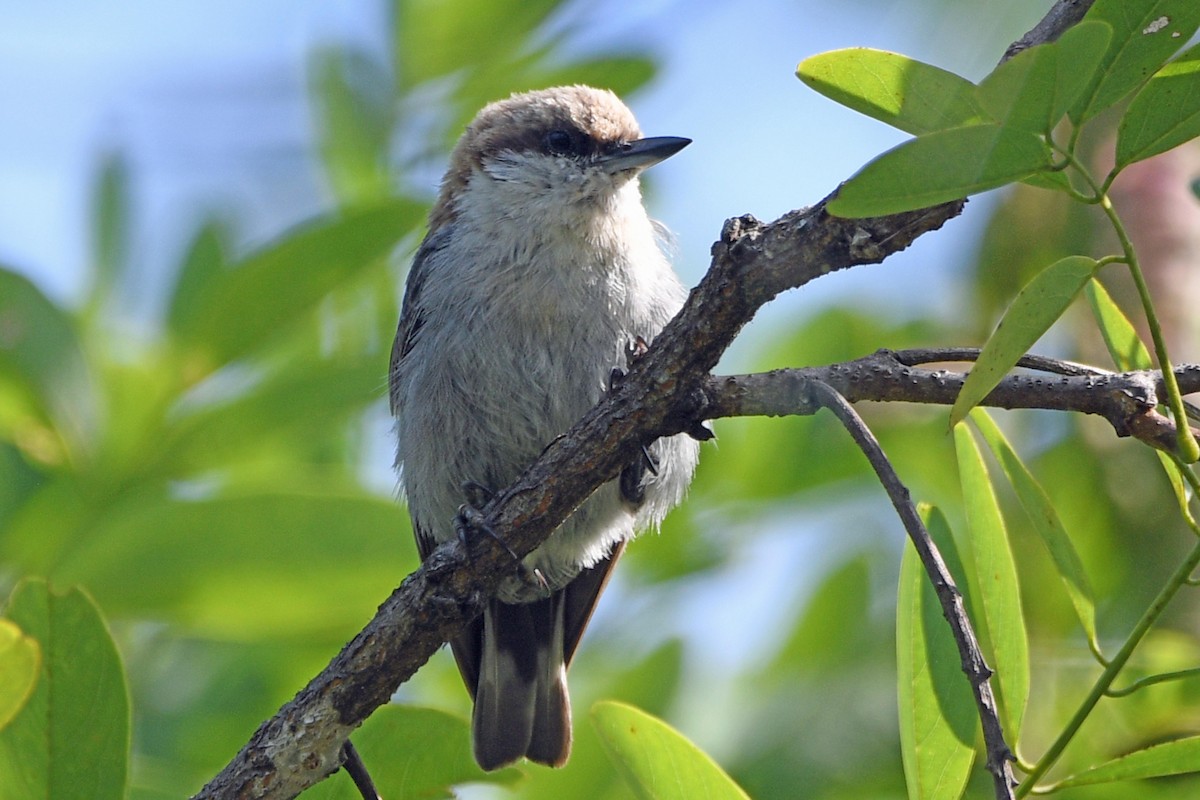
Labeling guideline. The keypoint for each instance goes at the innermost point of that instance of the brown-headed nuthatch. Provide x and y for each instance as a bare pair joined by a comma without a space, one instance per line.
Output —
540,270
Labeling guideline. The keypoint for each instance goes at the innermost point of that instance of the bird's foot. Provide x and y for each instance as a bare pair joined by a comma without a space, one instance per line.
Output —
470,521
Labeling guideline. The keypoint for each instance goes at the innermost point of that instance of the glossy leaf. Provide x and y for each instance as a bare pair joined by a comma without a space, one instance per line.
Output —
20,662
413,752
1129,353
910,95
939,167
937,711
1033,311
1081,49
1145,34
657,761
1170,758
1124,344
996,576
1046,523
1165,113
270,289
72,737
1021,92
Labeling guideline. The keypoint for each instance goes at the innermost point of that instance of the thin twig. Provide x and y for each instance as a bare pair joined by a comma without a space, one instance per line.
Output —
999,754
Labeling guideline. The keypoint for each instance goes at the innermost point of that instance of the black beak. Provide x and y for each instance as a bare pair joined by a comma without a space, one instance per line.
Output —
642,153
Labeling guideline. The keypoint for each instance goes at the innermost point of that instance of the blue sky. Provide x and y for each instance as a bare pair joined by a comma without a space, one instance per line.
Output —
209,101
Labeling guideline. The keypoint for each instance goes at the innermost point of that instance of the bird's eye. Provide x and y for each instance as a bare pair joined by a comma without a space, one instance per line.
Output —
560,143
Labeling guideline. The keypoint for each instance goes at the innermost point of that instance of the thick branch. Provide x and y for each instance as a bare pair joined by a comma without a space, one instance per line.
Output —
752,263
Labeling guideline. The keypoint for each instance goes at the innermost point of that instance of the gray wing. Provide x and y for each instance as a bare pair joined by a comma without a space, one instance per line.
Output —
412,318
412,315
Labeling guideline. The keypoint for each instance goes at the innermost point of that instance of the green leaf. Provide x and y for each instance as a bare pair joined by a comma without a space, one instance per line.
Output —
281,409
1080,50
1170,758
828,635
72,737
413,752
1046,523
1033,311
1164,114
42,369
910,95
939,167
996,573
20,660
937,711
1145,34
1129,353
204,262
657,761
246,567
1021,92
353,97
1124,345
434,38
270,289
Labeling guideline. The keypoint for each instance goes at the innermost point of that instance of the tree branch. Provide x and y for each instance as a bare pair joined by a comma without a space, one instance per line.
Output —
661,395
1127,400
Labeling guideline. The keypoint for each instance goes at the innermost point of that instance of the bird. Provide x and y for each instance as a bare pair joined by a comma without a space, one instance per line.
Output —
539,275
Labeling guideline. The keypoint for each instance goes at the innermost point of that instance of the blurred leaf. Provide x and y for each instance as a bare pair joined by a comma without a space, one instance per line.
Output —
110,227
939,167
996,572
1080,51
679,549
413,753
1033,311
915,97
436,38
937,711
1049,527
20,662
205,261
1145,34
1170,758
269,290
1164,114
1021,92
622,74
42,370
246,567
284,407
657,761
354,99
826,635
72,737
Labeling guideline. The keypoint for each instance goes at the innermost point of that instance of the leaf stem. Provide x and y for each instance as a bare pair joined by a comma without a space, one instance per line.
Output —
1189,450
1104,683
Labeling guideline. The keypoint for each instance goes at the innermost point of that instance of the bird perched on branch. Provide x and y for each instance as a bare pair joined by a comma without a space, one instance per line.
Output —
539,273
